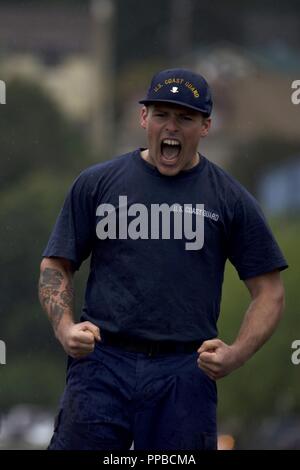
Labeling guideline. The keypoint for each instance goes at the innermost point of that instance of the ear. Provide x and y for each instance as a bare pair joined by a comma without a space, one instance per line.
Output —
206,124
143,117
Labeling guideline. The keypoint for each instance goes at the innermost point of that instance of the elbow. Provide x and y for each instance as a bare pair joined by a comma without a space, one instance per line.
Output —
60,264
44,265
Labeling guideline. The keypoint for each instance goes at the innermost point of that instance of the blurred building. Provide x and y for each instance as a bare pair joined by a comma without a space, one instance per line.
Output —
71,51
251,92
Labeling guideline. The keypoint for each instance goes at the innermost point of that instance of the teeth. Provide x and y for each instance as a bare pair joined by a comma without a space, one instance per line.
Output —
171,142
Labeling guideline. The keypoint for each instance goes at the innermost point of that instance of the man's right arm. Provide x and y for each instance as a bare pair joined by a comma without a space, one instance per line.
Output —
56,294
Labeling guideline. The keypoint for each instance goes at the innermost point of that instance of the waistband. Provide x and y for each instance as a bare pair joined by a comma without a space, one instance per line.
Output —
151,348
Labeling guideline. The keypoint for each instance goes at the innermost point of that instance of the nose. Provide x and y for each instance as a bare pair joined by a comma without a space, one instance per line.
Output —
172,124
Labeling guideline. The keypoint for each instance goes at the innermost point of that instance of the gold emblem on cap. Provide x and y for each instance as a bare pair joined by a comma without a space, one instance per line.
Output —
178,81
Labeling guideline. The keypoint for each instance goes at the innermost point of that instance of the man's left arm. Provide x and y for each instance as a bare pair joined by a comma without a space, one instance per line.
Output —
217,358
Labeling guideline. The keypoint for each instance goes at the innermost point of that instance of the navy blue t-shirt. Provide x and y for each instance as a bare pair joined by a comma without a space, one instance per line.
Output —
150,285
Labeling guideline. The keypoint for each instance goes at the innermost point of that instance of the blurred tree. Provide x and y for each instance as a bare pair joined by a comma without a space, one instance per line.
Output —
267,385
36,135
41,153
180,30
27,213
141,31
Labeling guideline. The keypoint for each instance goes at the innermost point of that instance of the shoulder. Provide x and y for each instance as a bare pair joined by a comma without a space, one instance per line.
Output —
92,176
227,186
99,169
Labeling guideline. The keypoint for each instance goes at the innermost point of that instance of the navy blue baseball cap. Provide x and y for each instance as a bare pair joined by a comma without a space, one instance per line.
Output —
182,87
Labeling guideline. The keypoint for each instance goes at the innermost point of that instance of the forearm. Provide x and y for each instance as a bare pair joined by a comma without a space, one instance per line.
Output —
56,293
259,323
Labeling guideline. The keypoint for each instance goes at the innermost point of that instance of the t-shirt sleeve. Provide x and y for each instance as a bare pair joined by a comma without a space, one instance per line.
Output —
73,233
253,249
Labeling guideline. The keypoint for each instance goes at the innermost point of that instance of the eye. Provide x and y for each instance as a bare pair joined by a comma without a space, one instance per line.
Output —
186,117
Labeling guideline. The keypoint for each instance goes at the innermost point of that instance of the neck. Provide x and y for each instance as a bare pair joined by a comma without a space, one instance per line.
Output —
194,162
196,159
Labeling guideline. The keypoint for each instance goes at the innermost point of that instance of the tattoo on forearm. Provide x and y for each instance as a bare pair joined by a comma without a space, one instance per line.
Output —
56,313
55,295
67,296
52,278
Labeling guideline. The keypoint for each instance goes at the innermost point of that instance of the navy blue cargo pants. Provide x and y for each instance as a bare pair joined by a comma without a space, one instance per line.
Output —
114,397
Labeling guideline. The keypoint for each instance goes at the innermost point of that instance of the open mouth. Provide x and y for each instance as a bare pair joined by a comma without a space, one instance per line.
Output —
170,149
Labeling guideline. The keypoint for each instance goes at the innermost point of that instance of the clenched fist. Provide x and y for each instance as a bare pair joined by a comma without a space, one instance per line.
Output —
78,339
217,358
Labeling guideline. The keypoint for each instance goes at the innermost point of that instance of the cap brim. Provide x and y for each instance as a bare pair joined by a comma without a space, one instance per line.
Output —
179,103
